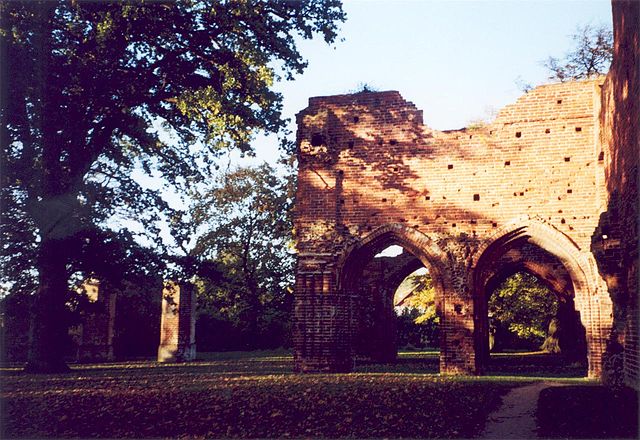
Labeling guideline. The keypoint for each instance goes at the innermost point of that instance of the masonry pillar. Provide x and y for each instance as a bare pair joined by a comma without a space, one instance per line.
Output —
457,350
97,326
457,327
177,323
599,327
322,334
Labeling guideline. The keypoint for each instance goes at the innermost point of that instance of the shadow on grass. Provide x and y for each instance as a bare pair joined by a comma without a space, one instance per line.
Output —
508,365
538,364
588,411
231,363
520,364
413,362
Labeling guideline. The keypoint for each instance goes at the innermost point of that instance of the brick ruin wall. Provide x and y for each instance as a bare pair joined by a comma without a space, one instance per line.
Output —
178,323
557,170
618,254
93,335
375,164
368,164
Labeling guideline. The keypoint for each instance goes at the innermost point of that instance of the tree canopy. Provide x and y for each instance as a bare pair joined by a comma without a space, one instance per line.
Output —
245,226
591,55
98,92
521,308
418,321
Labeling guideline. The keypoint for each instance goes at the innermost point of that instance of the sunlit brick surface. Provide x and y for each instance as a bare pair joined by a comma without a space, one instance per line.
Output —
177,326
371,175
618,255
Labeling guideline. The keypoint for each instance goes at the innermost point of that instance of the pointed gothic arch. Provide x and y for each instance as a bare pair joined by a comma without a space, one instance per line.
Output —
592,302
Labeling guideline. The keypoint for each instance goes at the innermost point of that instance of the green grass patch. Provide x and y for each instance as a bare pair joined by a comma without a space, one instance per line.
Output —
588,411
535,363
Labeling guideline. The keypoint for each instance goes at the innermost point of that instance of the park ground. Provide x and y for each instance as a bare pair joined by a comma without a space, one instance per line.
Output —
256,394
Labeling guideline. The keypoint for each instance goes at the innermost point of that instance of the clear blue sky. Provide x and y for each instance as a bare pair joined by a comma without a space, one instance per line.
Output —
456,60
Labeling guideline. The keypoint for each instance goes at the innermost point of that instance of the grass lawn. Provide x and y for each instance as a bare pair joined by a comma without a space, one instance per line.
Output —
514,364
242,395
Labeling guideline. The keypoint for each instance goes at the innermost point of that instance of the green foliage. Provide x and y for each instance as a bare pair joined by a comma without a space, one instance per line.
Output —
364,88
14,328
204,70
522,307
137,317
591,55
101,94
414,335
418,322
423,298
244,221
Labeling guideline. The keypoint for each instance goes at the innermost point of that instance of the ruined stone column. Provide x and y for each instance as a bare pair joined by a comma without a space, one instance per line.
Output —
457,326
322,334
96,329
457,350
388,349
177,323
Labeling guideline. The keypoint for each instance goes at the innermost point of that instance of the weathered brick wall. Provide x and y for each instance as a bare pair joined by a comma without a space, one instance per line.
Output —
95,332
371,174
615,242
537,158
177,326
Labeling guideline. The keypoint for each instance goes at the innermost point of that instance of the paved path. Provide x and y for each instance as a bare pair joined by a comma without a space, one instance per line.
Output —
516,418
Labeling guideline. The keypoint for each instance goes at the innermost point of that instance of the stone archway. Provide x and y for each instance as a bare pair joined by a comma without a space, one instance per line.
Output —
545,247
376,321
356,261
328,295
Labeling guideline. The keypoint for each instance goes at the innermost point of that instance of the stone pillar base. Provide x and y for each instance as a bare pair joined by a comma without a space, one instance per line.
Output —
458,370
173,353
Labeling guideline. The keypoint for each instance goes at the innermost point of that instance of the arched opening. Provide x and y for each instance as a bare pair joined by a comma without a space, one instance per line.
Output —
523,265
418,321
370,276
534,328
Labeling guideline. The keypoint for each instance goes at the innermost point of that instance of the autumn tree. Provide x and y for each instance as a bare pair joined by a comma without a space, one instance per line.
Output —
244,223
591,55
520,311
95,93
419,320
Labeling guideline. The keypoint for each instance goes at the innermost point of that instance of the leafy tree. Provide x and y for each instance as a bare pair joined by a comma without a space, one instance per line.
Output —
245,225
418,321
590,57
423,297
90,89
523,308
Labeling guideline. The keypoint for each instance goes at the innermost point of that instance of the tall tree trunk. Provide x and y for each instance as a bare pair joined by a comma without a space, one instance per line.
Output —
253,315
49,315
